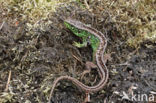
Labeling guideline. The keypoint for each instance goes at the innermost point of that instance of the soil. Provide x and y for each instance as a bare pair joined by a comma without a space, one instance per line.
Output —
37,56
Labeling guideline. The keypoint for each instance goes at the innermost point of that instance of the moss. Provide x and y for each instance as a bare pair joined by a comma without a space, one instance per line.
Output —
32,10
135,20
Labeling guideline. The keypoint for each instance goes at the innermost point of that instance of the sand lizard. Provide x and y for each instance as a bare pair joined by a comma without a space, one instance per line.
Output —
103,71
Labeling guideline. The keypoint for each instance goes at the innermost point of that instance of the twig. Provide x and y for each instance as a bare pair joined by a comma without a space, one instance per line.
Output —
8,82
87,6
152,87
35,3
2,25
77,59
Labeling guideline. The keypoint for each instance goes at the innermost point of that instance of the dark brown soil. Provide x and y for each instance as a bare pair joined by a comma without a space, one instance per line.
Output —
39,55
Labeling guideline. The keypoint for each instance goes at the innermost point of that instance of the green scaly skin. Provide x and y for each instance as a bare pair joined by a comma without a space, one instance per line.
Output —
86,38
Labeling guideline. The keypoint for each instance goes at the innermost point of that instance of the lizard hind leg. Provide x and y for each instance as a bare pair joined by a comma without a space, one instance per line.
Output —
87,99
89,65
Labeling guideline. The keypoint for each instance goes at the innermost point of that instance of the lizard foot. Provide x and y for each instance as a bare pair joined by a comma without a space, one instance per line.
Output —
87,99
89,66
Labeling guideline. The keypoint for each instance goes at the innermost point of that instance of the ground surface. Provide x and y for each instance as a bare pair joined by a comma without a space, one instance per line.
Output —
37,56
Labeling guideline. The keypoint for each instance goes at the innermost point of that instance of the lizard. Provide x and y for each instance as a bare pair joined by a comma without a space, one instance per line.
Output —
99,56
